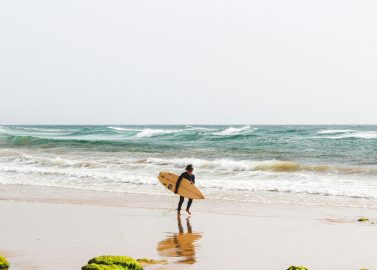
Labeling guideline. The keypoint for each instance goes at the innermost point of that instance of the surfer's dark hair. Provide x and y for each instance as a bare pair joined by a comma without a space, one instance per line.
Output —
189,167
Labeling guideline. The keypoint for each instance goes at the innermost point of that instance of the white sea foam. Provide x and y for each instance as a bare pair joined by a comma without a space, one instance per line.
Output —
297,184
49,129
217,178
44,129
334,131
34,131
78,179
124,129
232,131
361,135
275,166
344,134
3,129
214,185
211,165
148,132
56,161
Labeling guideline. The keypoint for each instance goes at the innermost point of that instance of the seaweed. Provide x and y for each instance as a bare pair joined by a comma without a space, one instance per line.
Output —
145,261
3,263
293,267
112,263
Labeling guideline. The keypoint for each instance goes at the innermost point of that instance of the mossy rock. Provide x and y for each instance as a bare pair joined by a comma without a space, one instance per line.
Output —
363,219
293,267
93,266
3,263
112,263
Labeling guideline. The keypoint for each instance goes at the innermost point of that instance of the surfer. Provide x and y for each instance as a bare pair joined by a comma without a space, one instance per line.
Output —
188,174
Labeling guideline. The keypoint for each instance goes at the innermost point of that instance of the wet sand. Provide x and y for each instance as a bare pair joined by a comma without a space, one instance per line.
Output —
40,231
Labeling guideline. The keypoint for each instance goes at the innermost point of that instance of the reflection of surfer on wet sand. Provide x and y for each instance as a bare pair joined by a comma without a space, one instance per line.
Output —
188,224
180,245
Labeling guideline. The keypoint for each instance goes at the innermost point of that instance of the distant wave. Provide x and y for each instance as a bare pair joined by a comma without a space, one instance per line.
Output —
27,129
36,140
95,142
123,129
361,135
148,132
348,133
334,131
47,129
200,128
232,131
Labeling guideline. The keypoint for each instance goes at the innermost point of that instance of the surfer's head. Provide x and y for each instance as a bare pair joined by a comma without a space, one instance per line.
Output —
189,168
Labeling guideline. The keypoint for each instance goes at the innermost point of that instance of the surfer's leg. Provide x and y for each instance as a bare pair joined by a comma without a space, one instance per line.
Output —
181,199
188,206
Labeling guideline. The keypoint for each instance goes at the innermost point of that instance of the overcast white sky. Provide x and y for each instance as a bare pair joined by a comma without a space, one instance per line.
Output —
188,62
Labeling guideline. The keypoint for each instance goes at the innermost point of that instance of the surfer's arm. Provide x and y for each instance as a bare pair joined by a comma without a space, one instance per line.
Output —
178,183
192,179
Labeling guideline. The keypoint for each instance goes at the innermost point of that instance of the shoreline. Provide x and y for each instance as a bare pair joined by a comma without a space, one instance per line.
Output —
31,193
41,233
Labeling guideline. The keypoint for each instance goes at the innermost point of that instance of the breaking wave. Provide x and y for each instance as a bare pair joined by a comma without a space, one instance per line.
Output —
124,129
250,165
148,132
334,131
233,131
216,177
348,133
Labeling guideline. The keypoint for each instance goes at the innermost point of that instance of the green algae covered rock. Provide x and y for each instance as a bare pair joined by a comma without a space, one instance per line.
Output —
3,263
112,263
363,219
93,266
293,267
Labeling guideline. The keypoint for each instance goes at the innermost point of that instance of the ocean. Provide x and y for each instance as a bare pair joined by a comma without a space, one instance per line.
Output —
288,164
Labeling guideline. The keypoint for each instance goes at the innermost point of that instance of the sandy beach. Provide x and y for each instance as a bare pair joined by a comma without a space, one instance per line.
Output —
41,230
261,115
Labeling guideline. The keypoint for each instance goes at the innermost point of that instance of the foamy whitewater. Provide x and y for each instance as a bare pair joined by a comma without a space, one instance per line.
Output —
232,162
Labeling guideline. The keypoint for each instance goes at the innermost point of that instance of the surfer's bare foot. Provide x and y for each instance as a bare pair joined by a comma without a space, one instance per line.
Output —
178,212
188,211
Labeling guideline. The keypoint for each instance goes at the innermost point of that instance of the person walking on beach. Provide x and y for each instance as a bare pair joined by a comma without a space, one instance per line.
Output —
188,174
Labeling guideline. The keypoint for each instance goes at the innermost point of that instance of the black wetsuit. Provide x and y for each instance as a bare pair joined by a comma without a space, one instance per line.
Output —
181,198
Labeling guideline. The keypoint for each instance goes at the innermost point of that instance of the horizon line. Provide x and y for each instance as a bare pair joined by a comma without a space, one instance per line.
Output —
227,124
